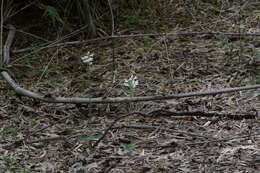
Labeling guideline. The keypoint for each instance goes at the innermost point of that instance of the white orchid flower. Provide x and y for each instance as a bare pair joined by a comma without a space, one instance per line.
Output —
88,59
132,82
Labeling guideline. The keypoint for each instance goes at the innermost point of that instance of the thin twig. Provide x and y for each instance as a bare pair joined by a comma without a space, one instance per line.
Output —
233,116
143,35
165,129
223,140
39,130
7,45
1,33
23,8
112,124
112,18
113,40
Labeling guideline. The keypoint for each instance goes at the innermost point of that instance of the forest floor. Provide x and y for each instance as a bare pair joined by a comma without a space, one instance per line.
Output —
193,134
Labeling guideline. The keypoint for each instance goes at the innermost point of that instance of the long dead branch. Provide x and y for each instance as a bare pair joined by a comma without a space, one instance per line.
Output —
233,116
56,44
77,100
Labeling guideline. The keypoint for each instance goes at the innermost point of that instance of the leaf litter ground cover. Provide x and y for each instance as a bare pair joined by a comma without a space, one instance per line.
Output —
37,136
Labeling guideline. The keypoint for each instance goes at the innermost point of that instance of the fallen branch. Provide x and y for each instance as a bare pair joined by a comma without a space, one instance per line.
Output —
233,116
140,35
165,129
78,100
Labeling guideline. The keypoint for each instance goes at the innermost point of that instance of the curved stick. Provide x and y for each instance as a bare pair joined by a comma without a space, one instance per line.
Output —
77,100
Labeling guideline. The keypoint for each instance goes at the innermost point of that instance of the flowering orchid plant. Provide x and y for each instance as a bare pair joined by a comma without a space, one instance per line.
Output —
131,83
88,59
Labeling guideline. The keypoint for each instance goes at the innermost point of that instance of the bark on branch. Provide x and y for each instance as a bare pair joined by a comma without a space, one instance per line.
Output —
77,100
58,43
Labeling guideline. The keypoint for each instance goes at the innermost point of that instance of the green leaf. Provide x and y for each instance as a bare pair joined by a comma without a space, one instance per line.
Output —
257,80
162,166
3,69
53,14
7,161
24,170
161,78
32,122
33,47
255,94
230,57
128,147
11,130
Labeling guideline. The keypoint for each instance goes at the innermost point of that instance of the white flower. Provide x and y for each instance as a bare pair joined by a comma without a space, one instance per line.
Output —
88,58
132,82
